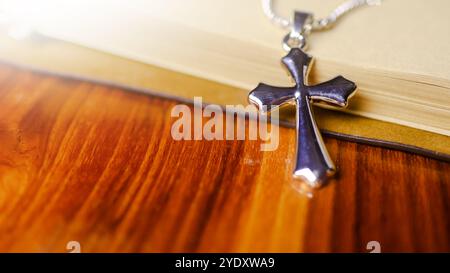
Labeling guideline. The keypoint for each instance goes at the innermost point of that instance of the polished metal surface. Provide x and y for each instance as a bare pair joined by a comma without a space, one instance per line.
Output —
313,163
297,37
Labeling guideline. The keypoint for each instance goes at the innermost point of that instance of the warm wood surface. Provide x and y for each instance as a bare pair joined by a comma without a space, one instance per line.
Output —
95,164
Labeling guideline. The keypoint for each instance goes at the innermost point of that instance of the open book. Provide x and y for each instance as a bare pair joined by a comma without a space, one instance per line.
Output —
398,53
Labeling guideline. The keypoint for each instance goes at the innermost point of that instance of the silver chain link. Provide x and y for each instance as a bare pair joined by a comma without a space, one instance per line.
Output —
318,24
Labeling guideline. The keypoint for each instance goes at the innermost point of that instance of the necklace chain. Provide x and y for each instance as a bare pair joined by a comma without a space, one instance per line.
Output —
317,24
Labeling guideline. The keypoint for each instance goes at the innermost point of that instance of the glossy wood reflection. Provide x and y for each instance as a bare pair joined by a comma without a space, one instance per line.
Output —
92,163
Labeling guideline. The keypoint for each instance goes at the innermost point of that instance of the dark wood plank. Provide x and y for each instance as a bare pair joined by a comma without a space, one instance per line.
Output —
96,164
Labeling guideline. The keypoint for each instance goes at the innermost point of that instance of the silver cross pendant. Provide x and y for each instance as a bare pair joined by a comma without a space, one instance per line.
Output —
313,163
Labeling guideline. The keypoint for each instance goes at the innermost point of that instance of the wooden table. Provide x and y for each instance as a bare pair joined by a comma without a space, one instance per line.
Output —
86,162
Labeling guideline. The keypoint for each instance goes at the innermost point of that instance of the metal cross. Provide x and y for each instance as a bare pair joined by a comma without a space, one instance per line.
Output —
313,162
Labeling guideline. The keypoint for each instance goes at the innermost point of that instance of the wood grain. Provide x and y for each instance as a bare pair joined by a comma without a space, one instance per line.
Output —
96,164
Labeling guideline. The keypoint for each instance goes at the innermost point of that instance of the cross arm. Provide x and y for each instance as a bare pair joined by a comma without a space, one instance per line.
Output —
336,91
271,96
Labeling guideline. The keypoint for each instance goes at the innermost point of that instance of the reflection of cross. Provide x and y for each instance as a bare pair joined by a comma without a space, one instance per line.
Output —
313,162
